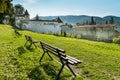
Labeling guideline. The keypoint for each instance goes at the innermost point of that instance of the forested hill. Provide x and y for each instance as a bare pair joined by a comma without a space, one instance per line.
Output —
82,19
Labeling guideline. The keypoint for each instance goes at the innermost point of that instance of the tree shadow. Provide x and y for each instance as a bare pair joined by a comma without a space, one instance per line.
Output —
43,72
21,50
30,48
50,69
47,71
38,73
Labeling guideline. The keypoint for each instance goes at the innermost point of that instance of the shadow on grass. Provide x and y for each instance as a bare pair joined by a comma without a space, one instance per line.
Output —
47,71
30,48
38,73
21,50
50,69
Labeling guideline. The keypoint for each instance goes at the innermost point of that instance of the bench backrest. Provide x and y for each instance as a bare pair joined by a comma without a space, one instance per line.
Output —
17,32
28,38
56,51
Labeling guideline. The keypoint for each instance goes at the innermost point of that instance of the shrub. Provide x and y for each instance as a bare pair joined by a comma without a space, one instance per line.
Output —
68,34
116,40
72,36
59,34
78,36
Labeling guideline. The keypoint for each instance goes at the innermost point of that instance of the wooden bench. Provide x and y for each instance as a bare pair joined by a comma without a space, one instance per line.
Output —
30,40
17,33
64,59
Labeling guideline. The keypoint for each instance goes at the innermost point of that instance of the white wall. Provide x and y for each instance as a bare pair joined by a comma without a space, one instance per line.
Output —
98,33
44,27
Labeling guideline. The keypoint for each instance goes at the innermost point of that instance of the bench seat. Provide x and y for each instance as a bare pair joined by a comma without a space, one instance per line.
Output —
60,53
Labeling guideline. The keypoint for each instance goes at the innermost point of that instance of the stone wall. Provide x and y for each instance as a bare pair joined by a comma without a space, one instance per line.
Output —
44,27
94,33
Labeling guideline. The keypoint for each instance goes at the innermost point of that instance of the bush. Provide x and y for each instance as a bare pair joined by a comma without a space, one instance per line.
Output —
68,34
116,40
72,36
78,36
59,34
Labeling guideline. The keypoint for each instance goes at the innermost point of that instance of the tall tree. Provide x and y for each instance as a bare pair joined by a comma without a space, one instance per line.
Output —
111,20
37,17
6,8
10,11
19,9
78,24
106,22
93,22
2,10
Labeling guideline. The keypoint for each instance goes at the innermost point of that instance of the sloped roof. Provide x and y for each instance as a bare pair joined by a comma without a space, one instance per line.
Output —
54,20
26,13
23,15
58,20
98,25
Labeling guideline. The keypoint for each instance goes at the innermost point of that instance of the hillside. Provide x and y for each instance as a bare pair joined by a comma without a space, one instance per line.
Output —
101,61
73,19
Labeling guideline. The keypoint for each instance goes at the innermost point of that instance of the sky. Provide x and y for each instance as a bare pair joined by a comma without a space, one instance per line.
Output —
99,8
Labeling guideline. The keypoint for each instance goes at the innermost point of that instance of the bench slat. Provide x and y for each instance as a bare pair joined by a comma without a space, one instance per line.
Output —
54,50
59,53
43,43
73,59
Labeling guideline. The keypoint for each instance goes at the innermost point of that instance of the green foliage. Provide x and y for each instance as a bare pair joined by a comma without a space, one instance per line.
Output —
68,35
93,22
111,20
72,36
19,9
78,24
6,8
37,17
101,61
59,34
116,40
78,36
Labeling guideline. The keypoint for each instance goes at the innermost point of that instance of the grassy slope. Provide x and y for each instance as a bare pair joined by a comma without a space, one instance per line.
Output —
101,61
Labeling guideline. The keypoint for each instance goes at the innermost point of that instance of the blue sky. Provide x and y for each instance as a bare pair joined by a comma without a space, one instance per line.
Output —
71,7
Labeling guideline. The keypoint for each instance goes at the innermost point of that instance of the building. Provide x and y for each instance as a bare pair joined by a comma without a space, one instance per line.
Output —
45,26
21,19
99,32
41,26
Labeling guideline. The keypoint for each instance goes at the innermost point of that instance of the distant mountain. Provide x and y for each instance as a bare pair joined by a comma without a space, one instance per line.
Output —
73,19
116,19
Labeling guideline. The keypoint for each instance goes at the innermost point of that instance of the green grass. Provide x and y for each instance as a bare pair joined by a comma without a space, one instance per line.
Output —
101,61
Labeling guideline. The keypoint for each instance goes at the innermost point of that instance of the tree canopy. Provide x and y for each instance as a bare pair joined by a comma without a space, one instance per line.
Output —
19,9
93,22
37,17
6,8
111,20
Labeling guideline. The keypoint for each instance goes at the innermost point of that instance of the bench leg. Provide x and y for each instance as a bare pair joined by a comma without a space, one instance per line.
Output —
71,70
25,43
35,45
58,75
42,57
30,45
49,56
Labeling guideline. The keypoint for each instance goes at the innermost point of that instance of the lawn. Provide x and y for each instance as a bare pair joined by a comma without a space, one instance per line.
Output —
100,61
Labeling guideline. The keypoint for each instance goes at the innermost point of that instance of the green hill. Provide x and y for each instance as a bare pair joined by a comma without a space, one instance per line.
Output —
101,61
